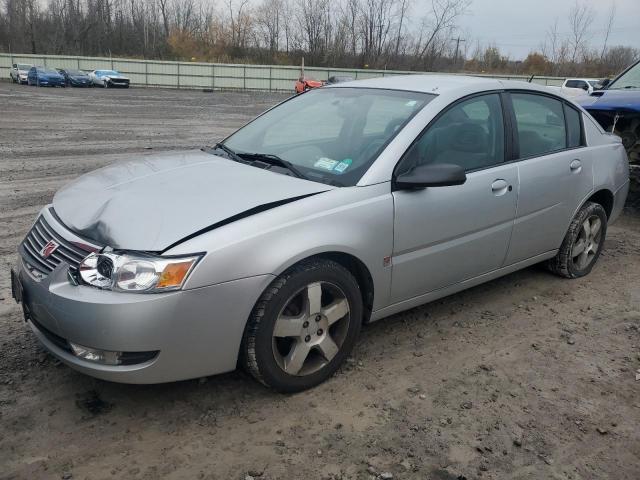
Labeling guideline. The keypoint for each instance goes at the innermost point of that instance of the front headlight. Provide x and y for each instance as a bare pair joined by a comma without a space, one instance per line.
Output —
136,272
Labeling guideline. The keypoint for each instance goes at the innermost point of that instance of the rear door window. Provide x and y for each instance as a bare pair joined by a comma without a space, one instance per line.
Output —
540,124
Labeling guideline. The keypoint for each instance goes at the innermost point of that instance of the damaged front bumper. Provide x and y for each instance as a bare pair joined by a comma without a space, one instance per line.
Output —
133,337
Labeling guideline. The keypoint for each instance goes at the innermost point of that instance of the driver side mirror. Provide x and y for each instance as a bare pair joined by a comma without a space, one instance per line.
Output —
434,175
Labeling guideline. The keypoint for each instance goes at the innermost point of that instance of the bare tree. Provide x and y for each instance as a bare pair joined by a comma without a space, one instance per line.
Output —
581,17
403,7
610,20
375,23
555,48
164,11
239,22
436,26
269,19
314,22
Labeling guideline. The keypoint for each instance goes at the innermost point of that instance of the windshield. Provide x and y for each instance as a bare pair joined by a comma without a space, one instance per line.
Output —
594,83
331,135
107,72
23,66
629,79
75,72
49,71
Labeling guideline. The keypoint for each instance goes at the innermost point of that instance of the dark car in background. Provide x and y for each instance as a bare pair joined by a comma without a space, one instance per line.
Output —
45,77
616,107
75,78
339,79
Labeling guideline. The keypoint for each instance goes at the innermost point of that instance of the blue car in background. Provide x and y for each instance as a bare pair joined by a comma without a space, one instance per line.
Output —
616,107
45,77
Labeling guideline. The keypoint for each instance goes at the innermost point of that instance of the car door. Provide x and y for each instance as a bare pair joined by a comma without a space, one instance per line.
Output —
444,235
555,171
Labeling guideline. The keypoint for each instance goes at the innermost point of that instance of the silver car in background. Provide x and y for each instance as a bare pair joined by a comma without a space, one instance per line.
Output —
338,207
18,72
108,78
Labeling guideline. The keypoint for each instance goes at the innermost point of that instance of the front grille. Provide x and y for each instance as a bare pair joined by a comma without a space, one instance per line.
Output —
40,235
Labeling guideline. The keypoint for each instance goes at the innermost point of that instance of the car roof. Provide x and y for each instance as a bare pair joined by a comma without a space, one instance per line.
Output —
441,84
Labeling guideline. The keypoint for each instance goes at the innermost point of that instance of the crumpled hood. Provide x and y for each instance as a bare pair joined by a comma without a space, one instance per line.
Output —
615,100
157,200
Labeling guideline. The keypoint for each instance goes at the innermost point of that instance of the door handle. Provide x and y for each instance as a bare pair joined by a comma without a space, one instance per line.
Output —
575,165
500,187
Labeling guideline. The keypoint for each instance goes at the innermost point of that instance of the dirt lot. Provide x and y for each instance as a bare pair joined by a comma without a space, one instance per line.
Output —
529,376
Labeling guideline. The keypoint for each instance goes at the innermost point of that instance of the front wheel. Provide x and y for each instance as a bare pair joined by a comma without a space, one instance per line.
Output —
106,84
303,326
582,244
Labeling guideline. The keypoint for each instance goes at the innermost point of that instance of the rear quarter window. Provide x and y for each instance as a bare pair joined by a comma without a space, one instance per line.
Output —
574,127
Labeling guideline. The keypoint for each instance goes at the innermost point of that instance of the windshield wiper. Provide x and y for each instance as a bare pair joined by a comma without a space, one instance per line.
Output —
268,158
230,153
274,160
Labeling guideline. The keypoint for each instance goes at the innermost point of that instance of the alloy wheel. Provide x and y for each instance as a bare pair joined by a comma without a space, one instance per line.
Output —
587,242
311,328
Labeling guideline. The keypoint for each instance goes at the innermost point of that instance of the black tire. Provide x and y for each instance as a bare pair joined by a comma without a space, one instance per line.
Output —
256,352
563,263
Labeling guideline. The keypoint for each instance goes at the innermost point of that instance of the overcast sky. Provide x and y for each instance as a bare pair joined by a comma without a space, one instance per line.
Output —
519,26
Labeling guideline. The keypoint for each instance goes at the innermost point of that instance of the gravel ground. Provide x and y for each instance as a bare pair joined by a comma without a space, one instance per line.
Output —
528,376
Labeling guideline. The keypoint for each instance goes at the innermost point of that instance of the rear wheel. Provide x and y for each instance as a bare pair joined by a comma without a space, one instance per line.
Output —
582,244
303,326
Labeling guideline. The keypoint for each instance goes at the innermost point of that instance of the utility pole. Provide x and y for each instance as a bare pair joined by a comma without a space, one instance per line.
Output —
457,40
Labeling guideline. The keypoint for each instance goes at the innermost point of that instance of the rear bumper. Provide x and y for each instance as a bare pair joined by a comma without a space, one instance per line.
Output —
192,333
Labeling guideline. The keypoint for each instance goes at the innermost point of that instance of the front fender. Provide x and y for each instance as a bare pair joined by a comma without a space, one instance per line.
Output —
355,220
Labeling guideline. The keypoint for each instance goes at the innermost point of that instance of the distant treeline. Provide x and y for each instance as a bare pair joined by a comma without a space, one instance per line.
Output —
392,34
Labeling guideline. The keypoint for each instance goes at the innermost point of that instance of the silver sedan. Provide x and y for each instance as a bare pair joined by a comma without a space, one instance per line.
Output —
338,207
